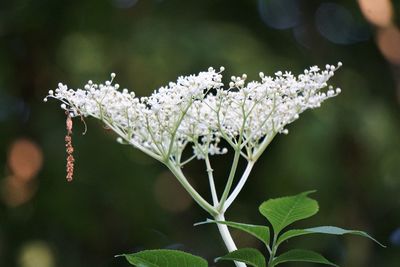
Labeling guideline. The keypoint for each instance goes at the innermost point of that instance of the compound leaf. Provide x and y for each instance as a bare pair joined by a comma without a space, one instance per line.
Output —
164,258
250,256
284,211
302,256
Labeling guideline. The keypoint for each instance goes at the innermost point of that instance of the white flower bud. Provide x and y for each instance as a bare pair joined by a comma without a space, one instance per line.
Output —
240,83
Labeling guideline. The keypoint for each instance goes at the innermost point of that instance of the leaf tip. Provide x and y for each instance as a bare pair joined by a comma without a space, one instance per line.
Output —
306,193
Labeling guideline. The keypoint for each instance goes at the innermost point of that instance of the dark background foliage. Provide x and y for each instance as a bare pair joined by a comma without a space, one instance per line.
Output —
123,201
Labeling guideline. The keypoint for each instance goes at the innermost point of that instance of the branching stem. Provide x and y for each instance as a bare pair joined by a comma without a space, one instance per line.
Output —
189,188
239,186
211,181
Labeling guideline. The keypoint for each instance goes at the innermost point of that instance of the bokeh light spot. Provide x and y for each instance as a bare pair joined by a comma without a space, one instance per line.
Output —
25,159
10,107
15,192
378,12
170,195
395,237
82,53
280,14
335,23
36,254
389,43
391,172
303,35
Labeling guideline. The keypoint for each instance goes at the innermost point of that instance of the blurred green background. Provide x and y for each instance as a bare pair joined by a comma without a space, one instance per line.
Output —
123,201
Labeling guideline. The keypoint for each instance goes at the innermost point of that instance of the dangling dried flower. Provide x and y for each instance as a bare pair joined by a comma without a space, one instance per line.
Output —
69,149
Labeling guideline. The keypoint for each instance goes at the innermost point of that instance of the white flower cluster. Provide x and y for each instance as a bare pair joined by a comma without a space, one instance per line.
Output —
198,111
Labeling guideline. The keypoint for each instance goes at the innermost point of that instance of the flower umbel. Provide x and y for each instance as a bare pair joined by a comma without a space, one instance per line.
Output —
197,110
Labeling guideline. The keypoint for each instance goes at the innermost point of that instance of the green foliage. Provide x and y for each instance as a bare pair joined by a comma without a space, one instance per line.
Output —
280,212
301,255
164,258
284,211
250,256
330,230
260,232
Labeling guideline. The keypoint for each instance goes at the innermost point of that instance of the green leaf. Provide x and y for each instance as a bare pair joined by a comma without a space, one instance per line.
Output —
164,258
284,211
250,256
301,255
330,230
260,232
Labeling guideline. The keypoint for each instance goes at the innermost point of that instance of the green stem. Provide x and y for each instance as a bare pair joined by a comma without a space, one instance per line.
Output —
229,183
264,144
239,186
211,181
273,251
138,146
178,123
192,192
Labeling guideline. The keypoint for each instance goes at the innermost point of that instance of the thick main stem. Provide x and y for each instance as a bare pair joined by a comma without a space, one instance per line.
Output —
227,238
